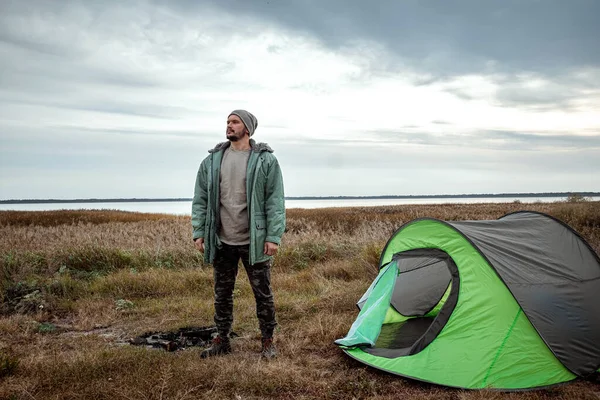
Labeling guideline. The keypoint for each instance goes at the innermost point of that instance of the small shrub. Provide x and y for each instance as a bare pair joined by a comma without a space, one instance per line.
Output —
23,298
8,364
9,266
64,286
46,327
369,257
96,259
576,198
31,303
123,304
301,256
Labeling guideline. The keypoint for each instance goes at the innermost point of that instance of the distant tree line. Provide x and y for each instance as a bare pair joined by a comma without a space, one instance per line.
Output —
430,196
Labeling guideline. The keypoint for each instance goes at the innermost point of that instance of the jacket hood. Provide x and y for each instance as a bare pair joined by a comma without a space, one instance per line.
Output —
256,147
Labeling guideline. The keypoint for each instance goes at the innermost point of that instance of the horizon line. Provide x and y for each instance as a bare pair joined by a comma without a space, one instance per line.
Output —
349,197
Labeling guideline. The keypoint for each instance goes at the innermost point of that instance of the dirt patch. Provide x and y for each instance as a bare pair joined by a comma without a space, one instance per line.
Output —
179,339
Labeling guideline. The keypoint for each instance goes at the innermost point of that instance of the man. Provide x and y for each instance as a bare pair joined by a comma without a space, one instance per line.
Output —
238,212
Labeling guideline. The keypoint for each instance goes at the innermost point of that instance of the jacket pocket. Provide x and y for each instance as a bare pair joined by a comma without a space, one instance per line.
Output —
261,223
260,234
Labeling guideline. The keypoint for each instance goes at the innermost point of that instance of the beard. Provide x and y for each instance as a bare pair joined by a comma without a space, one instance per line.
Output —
233,137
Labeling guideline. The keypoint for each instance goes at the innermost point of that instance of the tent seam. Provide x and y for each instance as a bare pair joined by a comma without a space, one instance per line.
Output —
487,375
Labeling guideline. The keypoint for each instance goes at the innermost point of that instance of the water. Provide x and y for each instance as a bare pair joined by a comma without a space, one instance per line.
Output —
184,207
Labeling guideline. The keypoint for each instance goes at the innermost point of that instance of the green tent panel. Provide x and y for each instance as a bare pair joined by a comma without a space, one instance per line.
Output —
491,308
541,367
368,324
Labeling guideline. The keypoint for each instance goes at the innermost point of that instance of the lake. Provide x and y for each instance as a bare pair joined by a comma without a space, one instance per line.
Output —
184,207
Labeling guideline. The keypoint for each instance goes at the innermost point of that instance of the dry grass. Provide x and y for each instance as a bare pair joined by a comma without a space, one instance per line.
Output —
76,285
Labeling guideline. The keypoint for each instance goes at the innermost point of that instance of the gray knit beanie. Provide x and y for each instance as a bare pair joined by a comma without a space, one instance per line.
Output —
248,119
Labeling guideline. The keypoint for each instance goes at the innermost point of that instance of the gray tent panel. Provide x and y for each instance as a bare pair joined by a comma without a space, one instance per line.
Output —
555,277
423,278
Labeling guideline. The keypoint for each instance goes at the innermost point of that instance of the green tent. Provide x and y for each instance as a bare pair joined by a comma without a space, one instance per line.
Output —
506,304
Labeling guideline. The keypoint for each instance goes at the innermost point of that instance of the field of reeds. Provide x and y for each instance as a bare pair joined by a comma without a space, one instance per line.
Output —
76,285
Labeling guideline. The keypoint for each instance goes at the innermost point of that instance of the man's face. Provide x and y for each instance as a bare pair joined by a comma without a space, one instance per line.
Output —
235,128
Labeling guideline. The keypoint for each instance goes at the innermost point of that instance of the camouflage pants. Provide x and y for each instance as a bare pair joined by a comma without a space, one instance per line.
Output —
225,268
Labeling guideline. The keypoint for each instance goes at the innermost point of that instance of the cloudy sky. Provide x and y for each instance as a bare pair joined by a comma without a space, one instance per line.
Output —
124,98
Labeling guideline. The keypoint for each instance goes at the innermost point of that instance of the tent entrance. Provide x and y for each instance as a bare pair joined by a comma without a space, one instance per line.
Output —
425,294
400,337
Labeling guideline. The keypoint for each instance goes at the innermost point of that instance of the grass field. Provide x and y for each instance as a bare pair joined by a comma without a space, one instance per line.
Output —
75,286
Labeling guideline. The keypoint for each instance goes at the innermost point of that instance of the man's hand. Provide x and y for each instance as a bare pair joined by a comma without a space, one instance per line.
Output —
271,248
199,244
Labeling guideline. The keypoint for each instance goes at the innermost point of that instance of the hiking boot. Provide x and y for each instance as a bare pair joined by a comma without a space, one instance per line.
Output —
268,349
220,346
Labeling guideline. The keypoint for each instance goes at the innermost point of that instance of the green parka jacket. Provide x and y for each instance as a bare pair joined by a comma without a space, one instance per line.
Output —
264,195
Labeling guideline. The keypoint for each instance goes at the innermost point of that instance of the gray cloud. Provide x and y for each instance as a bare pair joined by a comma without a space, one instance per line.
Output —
492,139
443,37
564,92
536,141
139,109
461,93
144,132
439,40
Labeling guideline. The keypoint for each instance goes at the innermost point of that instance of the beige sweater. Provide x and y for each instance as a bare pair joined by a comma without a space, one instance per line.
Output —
233,201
